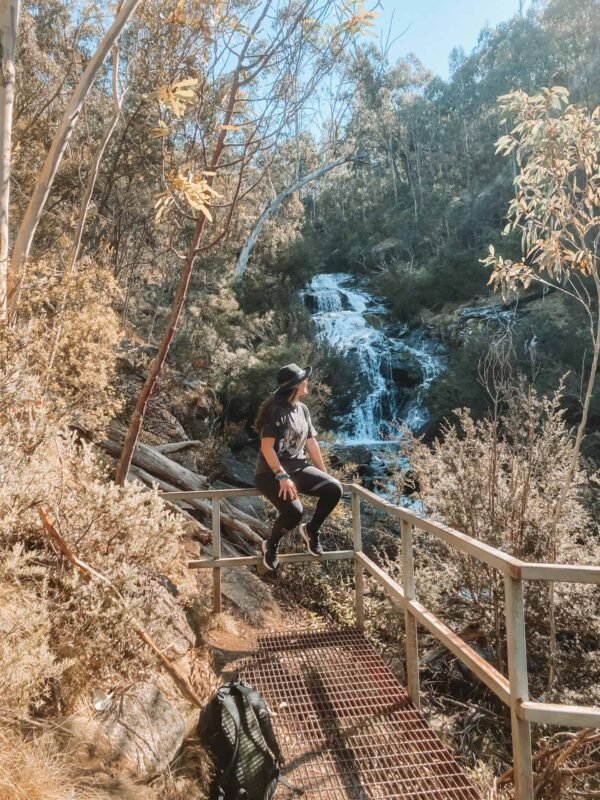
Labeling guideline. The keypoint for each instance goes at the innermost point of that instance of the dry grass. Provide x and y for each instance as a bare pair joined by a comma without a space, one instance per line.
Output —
37,770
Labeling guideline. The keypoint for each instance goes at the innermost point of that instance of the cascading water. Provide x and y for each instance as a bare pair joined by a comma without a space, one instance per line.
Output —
342,315
339,316
427,354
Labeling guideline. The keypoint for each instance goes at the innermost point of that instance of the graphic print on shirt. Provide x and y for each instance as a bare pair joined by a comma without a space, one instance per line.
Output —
293,439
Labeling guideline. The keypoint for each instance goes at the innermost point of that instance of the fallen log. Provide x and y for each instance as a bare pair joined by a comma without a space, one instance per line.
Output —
233,521
174,447
149,459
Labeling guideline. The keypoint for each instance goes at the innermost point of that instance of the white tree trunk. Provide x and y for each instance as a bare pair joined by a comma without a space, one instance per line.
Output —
274,205
9,19
38,200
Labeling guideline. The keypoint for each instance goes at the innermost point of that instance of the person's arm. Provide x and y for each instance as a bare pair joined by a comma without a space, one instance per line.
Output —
286,486
314,453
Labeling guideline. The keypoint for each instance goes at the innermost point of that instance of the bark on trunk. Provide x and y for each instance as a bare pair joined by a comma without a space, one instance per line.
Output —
9,20
38,200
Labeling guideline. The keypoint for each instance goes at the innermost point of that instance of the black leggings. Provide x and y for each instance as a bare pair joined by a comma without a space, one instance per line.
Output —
308,480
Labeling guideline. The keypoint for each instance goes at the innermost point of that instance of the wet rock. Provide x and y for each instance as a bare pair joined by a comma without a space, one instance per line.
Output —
405,370
397,330
374,320
351,454
366,470
311,301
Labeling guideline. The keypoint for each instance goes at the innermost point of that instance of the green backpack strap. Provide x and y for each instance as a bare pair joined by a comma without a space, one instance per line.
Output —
261,714
263,718
230,706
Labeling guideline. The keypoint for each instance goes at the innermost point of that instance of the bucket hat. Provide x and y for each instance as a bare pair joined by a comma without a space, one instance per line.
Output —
290,376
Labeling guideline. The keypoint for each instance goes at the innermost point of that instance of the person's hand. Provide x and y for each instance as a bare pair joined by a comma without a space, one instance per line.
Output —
287,489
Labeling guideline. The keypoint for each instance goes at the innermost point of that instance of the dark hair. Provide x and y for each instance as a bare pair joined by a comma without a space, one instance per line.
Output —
269,404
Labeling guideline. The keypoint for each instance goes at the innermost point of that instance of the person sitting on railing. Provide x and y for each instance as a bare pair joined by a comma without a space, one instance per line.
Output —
282,470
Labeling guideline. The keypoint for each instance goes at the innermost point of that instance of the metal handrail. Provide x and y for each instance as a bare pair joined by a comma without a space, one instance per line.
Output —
514,690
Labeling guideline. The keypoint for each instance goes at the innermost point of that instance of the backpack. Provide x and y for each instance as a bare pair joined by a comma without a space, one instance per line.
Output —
235,727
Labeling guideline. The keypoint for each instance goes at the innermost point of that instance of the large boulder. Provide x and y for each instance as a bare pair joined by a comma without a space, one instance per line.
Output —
138,733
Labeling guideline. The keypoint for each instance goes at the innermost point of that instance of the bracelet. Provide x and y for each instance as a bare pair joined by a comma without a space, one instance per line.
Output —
281,475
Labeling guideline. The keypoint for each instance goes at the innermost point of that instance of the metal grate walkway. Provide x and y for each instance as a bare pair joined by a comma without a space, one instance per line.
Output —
346,725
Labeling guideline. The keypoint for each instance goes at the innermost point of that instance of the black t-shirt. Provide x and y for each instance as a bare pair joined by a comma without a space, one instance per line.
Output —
290,426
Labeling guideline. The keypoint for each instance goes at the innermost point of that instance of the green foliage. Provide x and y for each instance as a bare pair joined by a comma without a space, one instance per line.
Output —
277,282
547,341
449,278
332,386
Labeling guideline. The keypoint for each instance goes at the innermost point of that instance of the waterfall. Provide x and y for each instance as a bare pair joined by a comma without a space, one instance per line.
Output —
428,354
341,312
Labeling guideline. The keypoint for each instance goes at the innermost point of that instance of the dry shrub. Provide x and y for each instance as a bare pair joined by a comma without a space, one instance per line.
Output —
189,778
173,787
67,337
27,662
73,630
37,770
498,480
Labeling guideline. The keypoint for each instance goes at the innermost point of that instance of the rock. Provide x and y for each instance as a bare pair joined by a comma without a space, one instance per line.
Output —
397,330
366,471
238,469
140,733
196,385
245,590
405,370
374,320
149,350
311,301
351,454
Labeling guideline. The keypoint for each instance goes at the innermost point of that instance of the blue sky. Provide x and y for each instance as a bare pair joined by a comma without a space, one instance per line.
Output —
435,27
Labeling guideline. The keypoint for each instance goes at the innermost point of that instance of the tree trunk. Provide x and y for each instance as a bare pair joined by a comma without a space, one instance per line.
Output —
87,197
9,20
38,200
274,205
85,203
139,412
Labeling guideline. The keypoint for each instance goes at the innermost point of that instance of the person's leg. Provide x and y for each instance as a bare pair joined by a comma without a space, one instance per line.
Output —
314,482
290,514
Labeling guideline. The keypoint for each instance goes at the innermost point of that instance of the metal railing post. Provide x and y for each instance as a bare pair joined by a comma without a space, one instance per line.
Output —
410,623
359,578
519,687
216,553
